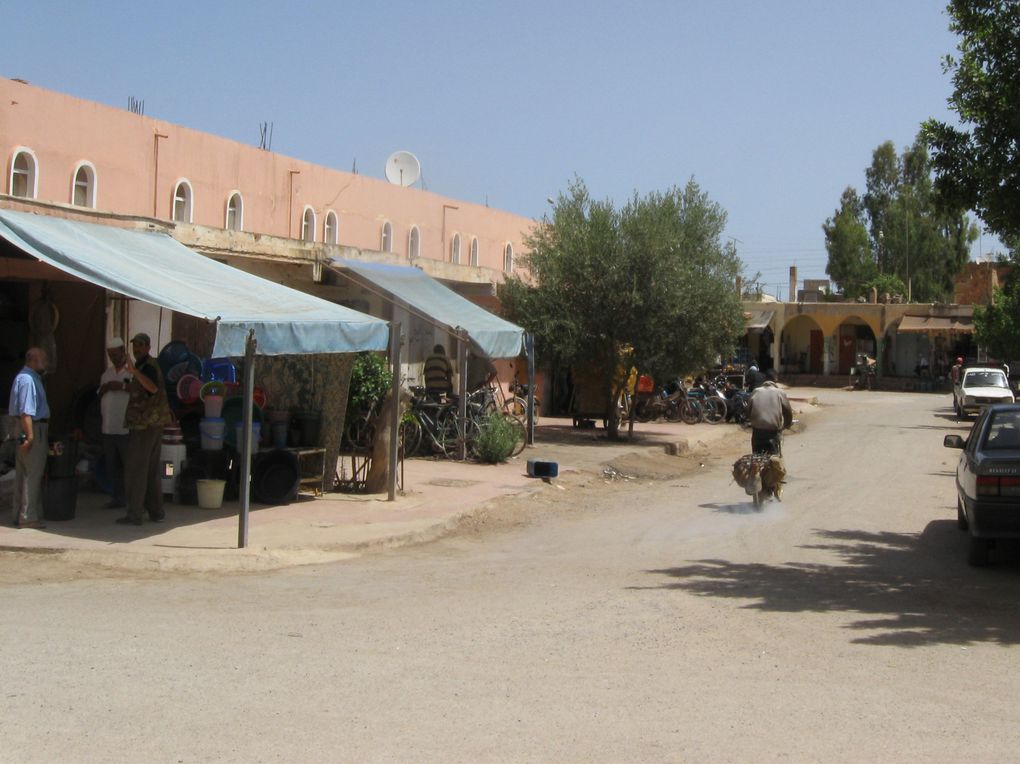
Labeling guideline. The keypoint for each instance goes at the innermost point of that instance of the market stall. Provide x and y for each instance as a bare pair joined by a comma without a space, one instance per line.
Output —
250,315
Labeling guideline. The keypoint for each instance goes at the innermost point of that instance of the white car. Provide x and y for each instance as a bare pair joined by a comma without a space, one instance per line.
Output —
980,386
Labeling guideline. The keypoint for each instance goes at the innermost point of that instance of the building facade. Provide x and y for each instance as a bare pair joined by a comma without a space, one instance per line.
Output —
69,151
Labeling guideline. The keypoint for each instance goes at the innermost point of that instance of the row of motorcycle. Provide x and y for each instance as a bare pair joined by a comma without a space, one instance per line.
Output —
713,401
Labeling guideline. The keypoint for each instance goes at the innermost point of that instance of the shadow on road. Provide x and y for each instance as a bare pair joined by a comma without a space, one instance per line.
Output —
743,508
910,590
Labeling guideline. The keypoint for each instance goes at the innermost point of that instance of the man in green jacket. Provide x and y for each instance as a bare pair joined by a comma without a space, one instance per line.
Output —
148,412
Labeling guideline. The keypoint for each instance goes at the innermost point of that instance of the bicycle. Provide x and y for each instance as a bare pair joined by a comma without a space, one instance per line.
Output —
517,403
481,405
431,420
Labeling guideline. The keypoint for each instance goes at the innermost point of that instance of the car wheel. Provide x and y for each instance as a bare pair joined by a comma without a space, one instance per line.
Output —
961,516
977,556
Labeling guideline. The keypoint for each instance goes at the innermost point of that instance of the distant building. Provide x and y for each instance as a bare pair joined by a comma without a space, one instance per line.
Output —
977,283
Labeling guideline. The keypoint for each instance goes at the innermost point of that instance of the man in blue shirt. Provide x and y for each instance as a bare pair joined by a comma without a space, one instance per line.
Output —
28,404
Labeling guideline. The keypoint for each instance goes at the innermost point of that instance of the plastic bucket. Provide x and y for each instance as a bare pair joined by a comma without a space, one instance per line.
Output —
309,423
213,406
256,435
211,431
280,434
210,493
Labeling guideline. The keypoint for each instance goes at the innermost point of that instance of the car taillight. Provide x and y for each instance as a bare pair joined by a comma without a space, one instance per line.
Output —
987,486
1009,486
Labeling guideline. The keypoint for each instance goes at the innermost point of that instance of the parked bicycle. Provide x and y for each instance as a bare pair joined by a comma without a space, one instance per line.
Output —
429,421
436,422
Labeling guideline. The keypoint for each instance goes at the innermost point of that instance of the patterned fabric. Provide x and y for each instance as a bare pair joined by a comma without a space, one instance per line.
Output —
145,410
310,383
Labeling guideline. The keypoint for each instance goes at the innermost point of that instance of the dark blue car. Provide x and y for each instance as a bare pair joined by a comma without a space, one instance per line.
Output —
988,479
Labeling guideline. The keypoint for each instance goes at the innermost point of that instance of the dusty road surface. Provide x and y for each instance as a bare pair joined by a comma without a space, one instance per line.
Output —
634,620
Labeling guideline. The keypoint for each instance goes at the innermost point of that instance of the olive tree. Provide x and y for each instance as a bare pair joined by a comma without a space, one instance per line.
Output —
649,285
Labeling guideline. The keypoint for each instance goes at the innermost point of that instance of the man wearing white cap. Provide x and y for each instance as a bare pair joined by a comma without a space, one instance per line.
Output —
113,401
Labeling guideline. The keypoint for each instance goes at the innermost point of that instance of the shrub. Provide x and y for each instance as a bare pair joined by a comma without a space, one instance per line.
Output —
370,380
497,437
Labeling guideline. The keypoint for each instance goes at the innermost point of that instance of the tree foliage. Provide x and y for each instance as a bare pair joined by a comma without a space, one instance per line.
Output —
851,263
649,285
997,326
898,229
978,166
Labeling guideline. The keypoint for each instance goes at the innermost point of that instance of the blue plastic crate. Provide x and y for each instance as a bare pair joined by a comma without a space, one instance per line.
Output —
220,369
541,469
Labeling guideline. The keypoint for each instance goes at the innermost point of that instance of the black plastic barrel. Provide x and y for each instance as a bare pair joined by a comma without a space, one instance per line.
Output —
276,477
187,483
60,498
62,459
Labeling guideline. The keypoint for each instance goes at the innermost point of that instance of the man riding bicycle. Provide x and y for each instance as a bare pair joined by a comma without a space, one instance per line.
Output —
770,413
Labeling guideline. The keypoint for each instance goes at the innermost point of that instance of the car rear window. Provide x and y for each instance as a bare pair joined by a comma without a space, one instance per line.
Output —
1004,430
986,379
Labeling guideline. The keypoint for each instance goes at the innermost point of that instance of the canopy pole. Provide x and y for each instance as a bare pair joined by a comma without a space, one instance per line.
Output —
246,444
462,363
392,452
529,348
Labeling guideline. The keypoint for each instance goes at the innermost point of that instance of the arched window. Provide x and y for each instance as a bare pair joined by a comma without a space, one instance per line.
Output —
182,202
235,212
331,229
387,237
508,258
83,185
455,249
414,243
474,250
24,180
308,225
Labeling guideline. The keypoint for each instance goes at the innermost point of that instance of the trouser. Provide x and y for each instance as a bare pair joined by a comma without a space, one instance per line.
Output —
28,476
115,454
143,479
766,441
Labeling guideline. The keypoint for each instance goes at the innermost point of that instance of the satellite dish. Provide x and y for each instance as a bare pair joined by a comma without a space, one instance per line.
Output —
402,168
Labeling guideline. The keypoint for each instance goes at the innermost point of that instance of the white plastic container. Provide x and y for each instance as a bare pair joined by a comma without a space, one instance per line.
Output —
211,430
210,493
213,406
256,435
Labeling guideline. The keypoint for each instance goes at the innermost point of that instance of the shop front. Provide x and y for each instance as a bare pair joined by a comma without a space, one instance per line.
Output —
68,285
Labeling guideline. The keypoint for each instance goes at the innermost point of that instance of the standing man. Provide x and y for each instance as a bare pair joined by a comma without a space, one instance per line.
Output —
770,413
113,401
754,378
28,403
438,372
147,414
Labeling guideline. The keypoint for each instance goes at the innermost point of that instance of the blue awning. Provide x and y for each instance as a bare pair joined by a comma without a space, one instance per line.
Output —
155,268
490,335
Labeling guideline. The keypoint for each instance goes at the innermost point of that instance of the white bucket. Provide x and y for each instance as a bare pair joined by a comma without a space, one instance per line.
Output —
256,435
210,493
212,433
213,406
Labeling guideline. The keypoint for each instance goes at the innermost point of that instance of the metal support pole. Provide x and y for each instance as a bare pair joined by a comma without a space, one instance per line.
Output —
246,444
392,452
529,347
462,353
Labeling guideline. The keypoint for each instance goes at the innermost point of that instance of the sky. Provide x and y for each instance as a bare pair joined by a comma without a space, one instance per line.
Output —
773,108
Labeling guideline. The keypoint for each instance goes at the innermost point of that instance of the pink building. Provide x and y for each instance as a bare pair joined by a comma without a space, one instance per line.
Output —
68,151
268,214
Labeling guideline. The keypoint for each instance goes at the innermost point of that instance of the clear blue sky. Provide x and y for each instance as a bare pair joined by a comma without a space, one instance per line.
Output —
772,107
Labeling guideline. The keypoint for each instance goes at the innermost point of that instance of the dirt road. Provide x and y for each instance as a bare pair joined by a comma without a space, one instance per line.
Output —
627,620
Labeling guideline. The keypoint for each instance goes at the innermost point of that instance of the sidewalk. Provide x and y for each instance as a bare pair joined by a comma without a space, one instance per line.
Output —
336,526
